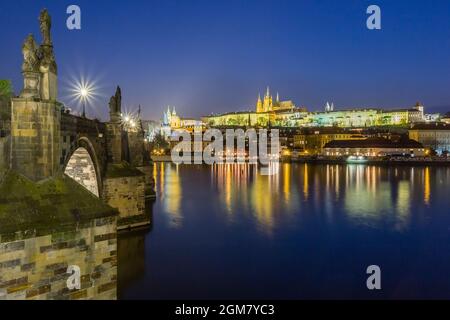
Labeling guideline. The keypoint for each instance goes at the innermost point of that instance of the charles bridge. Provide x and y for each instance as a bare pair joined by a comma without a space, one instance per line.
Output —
40,139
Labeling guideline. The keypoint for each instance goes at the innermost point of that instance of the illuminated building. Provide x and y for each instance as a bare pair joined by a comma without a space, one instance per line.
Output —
173,122
446,118
312,140
268,105
354,118
270,112
151,129
432,135
374,147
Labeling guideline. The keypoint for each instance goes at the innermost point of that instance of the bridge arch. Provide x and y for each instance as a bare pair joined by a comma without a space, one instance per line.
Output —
82,166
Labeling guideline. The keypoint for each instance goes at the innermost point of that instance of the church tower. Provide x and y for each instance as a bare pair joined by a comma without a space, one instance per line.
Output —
259,105
268,103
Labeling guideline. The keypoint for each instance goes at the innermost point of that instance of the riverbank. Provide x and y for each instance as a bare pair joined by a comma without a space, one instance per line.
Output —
373,161
334,160
165,158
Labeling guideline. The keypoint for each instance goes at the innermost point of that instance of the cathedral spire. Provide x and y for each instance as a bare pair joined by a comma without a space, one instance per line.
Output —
259,104
278,97
268,92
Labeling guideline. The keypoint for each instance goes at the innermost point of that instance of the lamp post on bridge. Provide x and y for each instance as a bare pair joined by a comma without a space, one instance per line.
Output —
84,94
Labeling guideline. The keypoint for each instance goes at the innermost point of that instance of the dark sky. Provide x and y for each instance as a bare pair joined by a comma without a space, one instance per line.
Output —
206,56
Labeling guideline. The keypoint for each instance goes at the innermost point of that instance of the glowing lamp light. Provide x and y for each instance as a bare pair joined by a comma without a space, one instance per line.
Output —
84,92
130,121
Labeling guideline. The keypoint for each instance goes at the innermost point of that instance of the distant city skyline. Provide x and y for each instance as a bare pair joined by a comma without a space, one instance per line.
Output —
204,57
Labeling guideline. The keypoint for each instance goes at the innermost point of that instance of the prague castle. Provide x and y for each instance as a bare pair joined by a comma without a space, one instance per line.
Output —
276,113
270,112
268,105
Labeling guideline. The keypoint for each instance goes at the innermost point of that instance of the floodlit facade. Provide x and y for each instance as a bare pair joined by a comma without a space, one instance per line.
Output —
432,135
173,122
268,112
446,118
273,112
312,140
374,147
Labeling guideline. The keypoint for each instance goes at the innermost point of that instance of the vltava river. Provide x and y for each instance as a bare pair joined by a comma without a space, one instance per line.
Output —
227,232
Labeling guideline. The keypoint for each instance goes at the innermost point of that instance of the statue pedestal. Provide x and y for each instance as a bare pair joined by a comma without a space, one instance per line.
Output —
49,85
31,81
35,137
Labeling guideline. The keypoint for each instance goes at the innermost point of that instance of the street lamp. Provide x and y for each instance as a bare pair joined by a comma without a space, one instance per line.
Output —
129,121
82,92
84,95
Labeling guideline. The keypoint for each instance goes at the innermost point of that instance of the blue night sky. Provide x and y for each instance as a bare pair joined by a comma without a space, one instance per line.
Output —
208,56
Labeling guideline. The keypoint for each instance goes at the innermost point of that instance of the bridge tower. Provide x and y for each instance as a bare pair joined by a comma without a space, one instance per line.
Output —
35,114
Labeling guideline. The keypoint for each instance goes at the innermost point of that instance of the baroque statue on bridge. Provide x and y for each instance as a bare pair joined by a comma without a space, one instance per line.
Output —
115,103
30,55
39,65
45,24
30,68
46,54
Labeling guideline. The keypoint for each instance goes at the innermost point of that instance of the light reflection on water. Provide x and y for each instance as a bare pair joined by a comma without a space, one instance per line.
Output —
226,231
369,194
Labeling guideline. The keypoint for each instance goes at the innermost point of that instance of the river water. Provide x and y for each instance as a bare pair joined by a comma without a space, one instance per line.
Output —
308,232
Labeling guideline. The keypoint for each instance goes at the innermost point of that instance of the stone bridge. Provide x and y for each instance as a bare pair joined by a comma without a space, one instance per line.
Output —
84,154
107,158
40,139
91,150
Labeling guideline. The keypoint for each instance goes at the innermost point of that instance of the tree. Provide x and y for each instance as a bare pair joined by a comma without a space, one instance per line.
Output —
6,88
159,142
